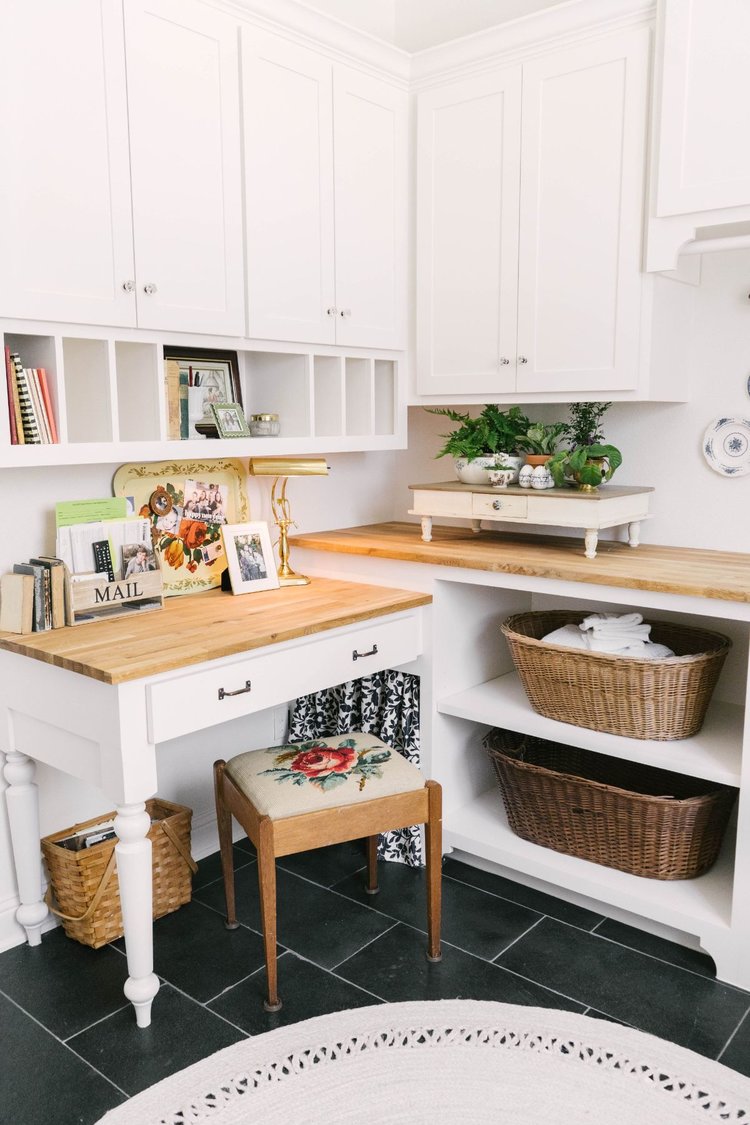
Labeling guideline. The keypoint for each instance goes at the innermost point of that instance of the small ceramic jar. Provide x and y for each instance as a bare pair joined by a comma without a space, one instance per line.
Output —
541,477
525,475
501,478
264,425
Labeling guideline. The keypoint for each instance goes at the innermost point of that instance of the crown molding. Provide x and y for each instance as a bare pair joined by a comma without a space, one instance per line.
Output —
313,29
548,29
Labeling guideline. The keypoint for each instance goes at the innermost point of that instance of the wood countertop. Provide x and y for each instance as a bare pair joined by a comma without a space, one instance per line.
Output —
673,570
197,627
605,492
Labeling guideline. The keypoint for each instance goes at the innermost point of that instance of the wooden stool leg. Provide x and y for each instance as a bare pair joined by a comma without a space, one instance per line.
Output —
224,822
372,887
434,842
267,883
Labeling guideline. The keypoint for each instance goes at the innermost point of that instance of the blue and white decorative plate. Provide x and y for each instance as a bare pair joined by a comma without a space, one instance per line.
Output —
726,446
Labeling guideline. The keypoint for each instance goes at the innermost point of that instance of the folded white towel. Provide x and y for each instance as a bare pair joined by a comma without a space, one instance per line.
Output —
569,635
639,634
622,620
615,644
572,637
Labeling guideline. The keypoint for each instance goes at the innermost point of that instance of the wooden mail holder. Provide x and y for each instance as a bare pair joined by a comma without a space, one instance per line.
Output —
100,601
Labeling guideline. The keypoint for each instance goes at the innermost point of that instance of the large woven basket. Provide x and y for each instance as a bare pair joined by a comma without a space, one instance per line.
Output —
85,882
635,818
659,699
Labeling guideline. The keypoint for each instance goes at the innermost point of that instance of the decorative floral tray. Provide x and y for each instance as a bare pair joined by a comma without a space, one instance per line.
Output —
188,503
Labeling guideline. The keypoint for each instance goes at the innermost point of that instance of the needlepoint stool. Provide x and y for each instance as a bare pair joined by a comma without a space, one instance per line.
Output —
309,794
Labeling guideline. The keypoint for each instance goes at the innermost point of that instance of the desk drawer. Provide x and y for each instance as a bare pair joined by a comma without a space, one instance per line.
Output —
487,506
199,699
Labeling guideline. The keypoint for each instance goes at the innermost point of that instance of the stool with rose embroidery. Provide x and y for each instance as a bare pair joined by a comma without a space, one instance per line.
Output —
310,794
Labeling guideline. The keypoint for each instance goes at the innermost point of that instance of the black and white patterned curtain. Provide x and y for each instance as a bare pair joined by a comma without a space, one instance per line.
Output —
386,705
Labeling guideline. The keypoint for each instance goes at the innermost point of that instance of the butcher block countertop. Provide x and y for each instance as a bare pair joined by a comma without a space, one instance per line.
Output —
673,570
193,628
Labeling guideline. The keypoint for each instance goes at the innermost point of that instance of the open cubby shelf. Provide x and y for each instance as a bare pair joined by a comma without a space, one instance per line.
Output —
108,398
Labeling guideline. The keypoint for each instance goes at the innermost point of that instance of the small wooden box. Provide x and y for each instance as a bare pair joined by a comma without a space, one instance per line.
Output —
92,600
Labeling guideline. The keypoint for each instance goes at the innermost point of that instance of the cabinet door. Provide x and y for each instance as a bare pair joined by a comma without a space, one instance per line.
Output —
468,169
184,103
704,158
287,92
65,226
582,187
371,197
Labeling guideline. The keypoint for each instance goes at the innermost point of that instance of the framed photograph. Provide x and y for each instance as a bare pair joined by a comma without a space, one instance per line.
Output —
230,420
250,557
212,376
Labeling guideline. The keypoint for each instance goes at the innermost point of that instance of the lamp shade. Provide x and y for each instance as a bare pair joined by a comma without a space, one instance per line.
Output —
288,466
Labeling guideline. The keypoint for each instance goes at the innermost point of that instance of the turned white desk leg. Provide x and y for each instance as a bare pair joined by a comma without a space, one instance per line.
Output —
427,528
134,873
476,526
634,533
21,798
591,538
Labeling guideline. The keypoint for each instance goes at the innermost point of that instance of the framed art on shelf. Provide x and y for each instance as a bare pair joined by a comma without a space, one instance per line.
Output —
212,369
250,557
230,420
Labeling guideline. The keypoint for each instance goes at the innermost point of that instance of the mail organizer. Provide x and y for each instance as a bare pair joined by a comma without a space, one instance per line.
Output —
94,598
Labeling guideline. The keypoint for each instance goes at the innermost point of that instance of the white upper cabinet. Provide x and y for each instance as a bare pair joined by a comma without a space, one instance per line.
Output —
582,194
468,172
184,103
541,295
369,119
288,122
65,228
325,194
703,154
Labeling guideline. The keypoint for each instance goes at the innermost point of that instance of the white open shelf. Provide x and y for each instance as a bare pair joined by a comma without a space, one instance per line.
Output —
109,399
714,753
481,829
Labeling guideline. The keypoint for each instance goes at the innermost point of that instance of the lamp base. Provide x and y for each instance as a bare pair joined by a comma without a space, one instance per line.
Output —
293,579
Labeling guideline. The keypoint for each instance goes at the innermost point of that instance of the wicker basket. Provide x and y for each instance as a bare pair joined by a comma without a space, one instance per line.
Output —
635,818
85,882
658,699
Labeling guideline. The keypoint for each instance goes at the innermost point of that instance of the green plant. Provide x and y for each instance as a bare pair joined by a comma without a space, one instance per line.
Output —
585,425
540,439
589,461
494,431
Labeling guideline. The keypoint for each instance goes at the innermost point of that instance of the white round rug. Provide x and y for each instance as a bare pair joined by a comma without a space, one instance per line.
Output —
447,1062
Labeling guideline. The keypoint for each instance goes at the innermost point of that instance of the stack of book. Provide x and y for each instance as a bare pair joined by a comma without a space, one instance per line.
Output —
32,598
32,419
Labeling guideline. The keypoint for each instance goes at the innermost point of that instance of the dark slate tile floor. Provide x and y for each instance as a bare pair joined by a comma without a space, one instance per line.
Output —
71,1048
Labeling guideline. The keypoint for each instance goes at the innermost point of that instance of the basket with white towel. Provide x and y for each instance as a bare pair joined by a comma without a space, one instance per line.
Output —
632,688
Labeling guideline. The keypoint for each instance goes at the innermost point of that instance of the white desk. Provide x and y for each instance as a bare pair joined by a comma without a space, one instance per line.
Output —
95,700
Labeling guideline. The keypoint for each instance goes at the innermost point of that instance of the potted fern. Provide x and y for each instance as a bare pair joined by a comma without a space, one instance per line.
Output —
589,461
489,441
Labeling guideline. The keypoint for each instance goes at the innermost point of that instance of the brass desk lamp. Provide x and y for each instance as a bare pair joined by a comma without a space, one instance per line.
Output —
281,468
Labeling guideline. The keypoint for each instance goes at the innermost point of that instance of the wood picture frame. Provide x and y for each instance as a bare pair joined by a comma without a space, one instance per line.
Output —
250,557
214,369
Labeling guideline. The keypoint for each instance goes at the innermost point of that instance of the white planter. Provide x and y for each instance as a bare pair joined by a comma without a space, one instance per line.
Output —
476,470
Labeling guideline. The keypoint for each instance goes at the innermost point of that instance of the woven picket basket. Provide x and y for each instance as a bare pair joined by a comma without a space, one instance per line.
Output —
636,818
85,883
658,699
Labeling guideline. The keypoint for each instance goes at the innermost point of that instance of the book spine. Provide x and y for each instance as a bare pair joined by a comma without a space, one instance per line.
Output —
184,406
36,397
30,428
47,403
10,380
16,400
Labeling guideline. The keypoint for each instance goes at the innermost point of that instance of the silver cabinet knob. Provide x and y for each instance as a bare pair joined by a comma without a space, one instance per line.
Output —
332,311
503,361
497,505
346,312
149,289
128,285
522,359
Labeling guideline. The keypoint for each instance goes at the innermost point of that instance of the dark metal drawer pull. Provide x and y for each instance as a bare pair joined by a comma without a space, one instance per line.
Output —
356,655
240,691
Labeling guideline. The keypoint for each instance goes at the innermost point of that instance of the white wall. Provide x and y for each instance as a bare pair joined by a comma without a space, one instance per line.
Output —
426,23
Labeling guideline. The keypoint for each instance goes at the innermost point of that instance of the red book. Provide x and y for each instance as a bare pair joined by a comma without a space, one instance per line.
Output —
44,388
10,376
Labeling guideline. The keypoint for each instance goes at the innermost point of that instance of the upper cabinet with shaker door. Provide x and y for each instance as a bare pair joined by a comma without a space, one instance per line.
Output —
184,105
65,227
703,155
545,293
325,198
